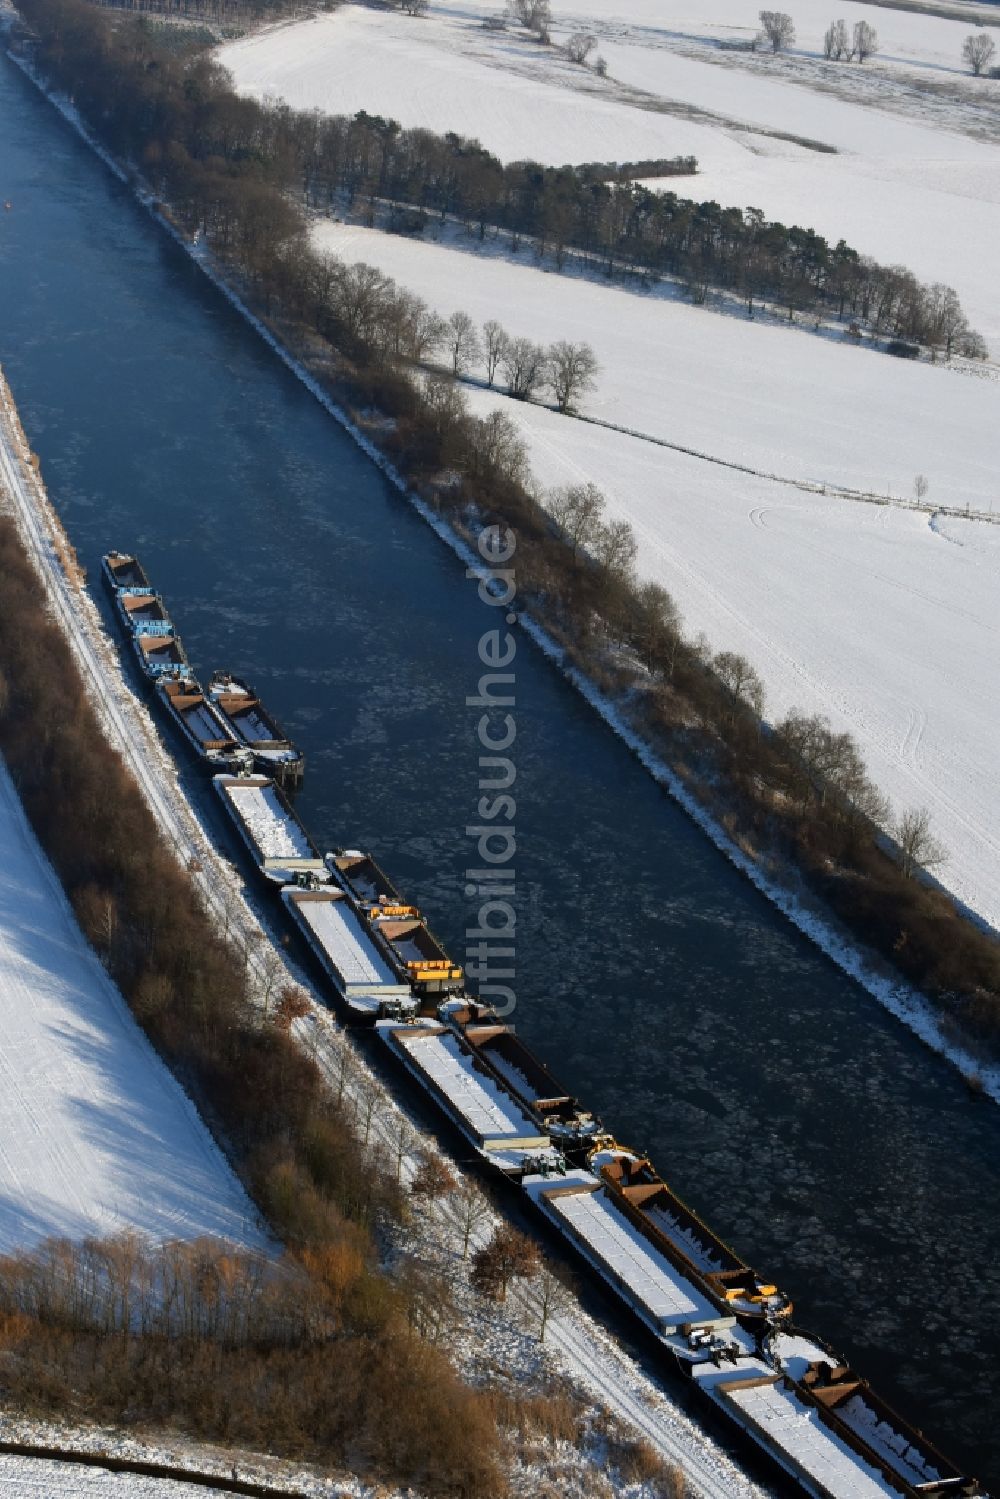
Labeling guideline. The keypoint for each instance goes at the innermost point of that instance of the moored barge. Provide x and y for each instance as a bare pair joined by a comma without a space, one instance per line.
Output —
411,947
341,942
570,1126
122,570
255,729
193,715
646,1200
487,1115
627,1256
281,848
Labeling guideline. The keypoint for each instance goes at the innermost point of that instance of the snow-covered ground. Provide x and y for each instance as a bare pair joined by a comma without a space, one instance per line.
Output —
902,187
885,620
777,400
95,1135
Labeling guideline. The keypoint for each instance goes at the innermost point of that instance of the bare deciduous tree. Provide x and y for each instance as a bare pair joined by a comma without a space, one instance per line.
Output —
433,1178
778,29
572,370
657,621
496,444
525,367
580,45
462,342
865,42
978,51
836,42
535,15
577,511
741,681
615,549
601,66
920,487
918,848
554,1294
471,1209
509,1255
495,340
416,7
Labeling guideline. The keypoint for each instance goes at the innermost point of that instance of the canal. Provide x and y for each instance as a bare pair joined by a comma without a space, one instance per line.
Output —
810,1128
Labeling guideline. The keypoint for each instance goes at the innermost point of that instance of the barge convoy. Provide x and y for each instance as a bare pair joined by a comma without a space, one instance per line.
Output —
724,1326
226,726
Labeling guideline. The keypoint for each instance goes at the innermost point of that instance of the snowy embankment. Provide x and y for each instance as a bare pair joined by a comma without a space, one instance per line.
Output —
95,1134
576,1346
882,619
905,187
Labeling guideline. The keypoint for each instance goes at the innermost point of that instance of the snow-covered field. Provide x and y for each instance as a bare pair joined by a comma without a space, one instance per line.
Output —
778,400
901,188
95,1135
885,620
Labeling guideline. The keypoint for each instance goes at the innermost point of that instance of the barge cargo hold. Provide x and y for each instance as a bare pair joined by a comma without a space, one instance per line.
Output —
197,720
255,729
122,570
647,1200
670,1304
487,1115
414,951
570,1126
281,848
339,938
367,885
849,1407
160,654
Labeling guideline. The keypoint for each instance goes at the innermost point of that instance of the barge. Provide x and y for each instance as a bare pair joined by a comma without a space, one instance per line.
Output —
344,947
367,885
160,654
414,952
485,1113
190,712
142,612
626,1255
570,1126
847,1406
255,729
122,570
412,949
647,1201
281,849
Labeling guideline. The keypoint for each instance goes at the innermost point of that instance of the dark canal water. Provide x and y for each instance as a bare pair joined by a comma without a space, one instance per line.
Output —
809,1127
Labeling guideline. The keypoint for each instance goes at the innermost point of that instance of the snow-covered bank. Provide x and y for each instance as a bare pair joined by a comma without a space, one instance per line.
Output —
95,1134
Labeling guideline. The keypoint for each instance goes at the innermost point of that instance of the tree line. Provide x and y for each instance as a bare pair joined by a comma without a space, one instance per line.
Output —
193,134
800,790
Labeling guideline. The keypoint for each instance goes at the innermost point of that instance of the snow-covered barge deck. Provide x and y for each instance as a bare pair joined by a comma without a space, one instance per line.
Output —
340,940
481,1108
281,848
671,1305
255,729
